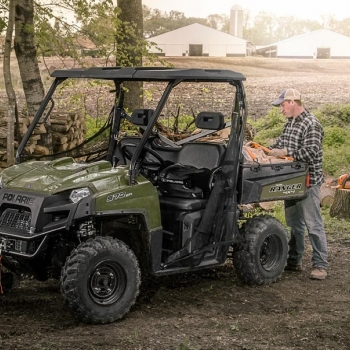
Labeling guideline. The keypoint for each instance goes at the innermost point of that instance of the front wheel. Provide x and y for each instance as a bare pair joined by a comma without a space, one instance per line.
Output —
100,280
264,256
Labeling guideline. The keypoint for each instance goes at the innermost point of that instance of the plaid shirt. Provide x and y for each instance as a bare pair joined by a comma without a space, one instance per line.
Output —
302,137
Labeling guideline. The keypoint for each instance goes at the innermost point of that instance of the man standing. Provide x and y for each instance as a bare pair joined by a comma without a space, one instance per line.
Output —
301,139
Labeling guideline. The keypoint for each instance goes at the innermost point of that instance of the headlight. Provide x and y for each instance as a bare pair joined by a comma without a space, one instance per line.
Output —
78,194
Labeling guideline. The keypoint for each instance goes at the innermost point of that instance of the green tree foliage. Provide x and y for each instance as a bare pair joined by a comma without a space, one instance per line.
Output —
98,30
267,28
157,22
219,22
341,27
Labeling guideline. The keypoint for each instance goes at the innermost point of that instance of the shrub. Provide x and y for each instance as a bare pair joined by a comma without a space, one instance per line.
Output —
336,161
334,115
334,136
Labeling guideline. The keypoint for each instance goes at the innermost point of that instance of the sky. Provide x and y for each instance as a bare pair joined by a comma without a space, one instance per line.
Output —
303,9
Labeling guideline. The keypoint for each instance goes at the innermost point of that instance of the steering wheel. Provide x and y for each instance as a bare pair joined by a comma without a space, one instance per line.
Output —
125,149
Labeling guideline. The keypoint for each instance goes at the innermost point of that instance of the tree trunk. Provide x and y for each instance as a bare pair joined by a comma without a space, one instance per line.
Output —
27,55
131,17
341,205
27,59
11,95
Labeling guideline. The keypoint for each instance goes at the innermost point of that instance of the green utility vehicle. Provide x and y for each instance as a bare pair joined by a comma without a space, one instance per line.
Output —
138,202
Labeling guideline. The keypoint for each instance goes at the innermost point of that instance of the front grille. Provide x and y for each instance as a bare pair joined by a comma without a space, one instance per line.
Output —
16,219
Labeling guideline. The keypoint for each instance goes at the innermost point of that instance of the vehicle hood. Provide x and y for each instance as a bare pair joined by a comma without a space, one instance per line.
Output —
63,174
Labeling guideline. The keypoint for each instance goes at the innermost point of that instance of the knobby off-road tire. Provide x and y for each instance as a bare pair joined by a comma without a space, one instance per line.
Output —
264,256
100,280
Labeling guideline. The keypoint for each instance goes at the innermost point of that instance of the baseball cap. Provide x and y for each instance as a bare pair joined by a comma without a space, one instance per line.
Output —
288,94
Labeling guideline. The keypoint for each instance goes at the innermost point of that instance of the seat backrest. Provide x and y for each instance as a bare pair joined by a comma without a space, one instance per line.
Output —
120,156
202,154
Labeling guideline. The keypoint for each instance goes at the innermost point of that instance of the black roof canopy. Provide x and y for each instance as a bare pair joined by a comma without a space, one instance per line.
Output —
150,74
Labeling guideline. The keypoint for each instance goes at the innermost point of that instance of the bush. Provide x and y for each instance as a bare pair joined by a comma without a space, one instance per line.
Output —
336,161
334,136
333,115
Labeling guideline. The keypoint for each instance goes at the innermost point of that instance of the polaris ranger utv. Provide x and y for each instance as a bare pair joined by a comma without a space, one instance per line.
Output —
102,219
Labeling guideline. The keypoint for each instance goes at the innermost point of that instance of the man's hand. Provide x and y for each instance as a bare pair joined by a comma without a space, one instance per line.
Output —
278,153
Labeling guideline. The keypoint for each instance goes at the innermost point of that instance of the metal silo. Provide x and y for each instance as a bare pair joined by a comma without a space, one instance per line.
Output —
236,21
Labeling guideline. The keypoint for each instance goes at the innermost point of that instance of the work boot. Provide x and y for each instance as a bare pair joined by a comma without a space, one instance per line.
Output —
318,273
295,268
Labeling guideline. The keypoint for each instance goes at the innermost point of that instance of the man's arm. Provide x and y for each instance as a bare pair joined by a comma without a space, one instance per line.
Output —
312,143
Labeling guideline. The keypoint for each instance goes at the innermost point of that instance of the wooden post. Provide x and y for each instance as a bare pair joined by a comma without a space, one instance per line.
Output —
341,204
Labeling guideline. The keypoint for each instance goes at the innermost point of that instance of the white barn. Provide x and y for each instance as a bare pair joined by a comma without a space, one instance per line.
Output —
322,43
198,40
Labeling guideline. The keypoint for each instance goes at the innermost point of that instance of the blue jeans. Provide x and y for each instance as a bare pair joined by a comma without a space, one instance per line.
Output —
306,213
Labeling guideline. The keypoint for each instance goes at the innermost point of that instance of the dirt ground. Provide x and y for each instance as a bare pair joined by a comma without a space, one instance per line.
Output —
213,309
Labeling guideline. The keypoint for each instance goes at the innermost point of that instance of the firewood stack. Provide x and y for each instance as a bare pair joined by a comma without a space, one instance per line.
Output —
67,130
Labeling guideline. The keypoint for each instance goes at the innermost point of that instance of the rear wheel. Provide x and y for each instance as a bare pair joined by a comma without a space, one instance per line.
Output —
264,256
100,280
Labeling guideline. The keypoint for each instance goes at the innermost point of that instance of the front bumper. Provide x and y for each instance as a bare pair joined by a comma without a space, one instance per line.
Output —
28,220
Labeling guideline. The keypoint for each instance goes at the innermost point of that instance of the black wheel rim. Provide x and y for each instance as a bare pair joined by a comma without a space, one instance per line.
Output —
270,252
107,282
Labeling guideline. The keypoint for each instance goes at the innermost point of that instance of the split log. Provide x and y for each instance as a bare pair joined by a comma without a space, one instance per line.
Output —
41,150
35,138
23,129
3,122
77,133
72,144
326,195
61,128
29,149
60,116
341,204
73,116
59,139
77,123
24,120
62,147
59,121
39,129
